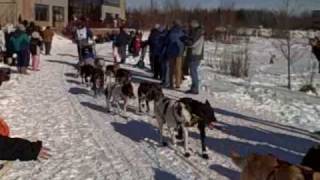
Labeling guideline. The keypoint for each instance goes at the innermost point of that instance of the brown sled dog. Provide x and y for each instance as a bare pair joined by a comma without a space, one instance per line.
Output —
268,167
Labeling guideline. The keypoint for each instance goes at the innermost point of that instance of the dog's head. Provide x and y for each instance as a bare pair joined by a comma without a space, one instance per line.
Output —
112,68
312,158
208,114
239,161
183,114
127,90
116,66
155,94
4,74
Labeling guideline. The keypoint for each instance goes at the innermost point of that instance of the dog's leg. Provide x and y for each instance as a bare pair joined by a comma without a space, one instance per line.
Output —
116,101
173,137
186,141
161,134
148,106
139,102
125,105
202,130
82,79
108,99
180,133
108,102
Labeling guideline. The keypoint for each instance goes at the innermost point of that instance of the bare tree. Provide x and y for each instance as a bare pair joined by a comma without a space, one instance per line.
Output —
286,43
172,8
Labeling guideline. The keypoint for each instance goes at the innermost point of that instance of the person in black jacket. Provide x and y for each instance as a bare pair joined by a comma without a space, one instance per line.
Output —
121,43
12,149
315,43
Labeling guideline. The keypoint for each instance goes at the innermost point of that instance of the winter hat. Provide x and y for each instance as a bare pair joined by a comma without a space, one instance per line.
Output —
177,22
195,24
21,27
35,35
161,28
157,26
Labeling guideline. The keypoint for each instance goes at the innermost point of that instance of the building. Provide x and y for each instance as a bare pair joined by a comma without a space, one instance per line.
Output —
43,12
87,8
97,10
113,8
56,13
8,9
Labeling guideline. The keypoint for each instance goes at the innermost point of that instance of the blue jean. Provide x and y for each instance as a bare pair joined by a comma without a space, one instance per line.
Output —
194,66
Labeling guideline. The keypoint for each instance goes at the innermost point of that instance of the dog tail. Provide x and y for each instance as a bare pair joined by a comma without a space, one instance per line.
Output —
241,162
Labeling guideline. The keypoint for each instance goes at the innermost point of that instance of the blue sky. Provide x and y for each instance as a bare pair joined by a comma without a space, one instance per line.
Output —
270,4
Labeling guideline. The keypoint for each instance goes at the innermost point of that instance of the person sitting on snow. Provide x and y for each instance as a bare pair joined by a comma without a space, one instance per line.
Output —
12,149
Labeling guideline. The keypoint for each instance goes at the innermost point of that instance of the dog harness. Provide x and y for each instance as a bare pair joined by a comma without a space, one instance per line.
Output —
194,118
307,173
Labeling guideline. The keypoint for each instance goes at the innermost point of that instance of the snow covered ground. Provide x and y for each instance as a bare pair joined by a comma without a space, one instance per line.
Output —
265,88
88,143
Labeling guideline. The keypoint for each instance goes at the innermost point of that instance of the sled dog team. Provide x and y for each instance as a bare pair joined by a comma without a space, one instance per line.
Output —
180,115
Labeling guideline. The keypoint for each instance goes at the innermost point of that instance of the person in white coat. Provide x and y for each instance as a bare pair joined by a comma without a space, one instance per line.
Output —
195,50
2,40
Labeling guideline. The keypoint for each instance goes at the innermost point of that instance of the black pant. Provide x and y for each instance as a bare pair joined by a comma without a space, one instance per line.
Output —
316,52
122,53
156,67
151,60
48,47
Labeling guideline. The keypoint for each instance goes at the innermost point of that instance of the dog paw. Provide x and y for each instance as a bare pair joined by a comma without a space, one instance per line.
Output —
124,115
187,155
164,144
205,156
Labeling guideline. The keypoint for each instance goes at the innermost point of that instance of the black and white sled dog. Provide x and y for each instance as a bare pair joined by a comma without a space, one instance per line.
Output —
97,80
116,92
202,115
174,115
123,76
86,73
116,74
146,94
110,73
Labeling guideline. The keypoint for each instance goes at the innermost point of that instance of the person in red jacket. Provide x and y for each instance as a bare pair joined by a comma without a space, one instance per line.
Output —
137,45
19,149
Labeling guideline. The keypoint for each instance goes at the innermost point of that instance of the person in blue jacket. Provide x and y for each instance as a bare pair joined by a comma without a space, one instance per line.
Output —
174,53
156,43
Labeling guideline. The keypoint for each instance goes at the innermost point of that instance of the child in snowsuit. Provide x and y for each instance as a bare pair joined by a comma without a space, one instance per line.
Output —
35,49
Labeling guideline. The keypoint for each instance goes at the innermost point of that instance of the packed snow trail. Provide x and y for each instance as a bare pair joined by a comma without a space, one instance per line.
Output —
88,143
